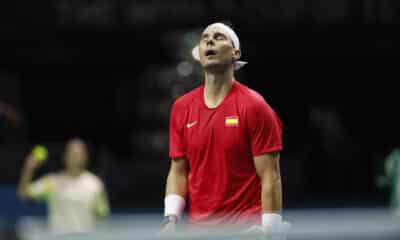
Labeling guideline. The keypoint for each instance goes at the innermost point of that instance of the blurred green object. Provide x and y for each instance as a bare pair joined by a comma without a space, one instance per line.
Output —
40,153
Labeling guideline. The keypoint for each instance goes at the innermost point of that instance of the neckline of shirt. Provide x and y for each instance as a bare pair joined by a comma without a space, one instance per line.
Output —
234,83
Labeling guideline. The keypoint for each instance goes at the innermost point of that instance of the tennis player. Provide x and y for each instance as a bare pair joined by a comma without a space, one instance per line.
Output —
225,143
75,198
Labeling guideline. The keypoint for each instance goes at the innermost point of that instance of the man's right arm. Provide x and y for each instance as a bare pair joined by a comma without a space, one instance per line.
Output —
38,190
177,177
176,191
28,171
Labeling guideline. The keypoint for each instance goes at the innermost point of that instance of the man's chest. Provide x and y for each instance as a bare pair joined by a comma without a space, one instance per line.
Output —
74,192
222,128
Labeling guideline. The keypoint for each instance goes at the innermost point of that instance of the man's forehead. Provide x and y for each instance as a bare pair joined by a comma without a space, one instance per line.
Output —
214,29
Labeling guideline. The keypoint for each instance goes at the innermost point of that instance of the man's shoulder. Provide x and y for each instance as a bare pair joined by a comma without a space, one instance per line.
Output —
93,180
49,177
255,105
92,177
249,97
188,98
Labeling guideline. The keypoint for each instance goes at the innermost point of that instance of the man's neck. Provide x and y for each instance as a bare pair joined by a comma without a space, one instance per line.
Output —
74,172
217,86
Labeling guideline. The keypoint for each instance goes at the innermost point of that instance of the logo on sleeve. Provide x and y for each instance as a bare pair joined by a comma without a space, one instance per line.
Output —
232,121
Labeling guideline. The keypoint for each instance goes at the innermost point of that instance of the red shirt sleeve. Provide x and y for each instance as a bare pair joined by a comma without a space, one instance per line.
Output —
265,129
176,125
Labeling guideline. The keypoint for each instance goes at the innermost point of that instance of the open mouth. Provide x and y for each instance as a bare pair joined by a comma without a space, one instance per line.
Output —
210,53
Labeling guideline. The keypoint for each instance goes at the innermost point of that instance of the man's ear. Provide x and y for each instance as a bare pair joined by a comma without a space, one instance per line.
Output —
237,54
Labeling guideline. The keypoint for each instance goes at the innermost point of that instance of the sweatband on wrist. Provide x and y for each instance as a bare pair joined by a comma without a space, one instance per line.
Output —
174,205
271,219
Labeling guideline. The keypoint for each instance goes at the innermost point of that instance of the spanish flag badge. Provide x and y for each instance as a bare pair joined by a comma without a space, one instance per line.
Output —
232,121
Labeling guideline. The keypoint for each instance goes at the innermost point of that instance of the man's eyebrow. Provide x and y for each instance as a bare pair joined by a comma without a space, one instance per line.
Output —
220,34
204,35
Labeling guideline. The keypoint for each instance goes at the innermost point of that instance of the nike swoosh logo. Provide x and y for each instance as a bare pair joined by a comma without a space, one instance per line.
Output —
189,125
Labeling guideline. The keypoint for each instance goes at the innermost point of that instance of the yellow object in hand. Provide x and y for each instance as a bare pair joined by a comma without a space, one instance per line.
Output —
40,153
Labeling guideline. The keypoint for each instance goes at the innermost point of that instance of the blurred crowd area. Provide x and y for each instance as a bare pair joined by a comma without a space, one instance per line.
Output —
107,13
111,31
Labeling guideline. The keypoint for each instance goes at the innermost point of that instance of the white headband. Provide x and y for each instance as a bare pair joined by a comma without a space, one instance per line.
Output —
231,35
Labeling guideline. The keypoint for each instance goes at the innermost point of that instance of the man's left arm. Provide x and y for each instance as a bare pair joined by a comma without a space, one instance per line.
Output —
102,206
265,131
268,170
267,167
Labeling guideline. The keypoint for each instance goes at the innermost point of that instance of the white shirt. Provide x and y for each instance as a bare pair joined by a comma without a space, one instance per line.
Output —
73,202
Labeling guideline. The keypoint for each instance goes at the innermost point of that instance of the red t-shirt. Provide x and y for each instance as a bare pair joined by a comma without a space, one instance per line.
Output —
219,144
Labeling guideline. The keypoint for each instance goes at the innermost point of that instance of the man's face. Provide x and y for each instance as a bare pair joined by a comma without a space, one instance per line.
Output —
76,155
216,49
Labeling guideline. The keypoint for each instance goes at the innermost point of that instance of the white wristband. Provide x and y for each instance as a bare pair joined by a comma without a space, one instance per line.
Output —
271,219
174,205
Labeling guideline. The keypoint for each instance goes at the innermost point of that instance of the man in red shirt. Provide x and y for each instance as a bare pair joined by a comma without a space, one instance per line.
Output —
224,145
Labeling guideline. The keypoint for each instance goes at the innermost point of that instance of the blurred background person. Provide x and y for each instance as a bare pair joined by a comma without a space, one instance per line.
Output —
391,180
75,197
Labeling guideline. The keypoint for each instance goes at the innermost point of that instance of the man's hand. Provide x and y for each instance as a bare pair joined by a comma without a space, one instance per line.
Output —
269,232
31,163
169,227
